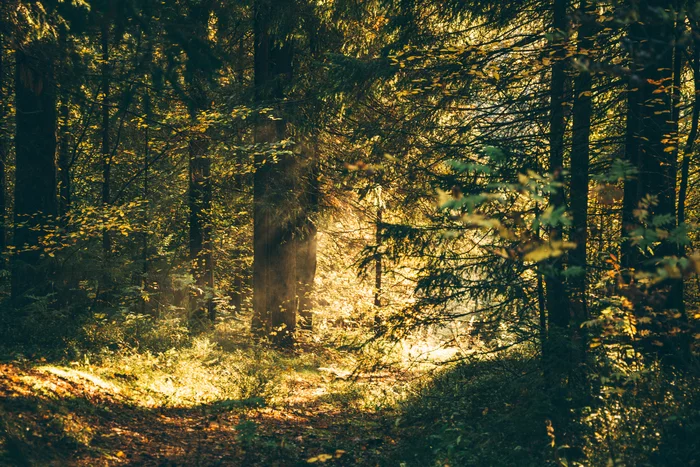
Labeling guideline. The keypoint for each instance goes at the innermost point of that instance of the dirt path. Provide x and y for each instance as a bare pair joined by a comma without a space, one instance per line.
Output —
55,416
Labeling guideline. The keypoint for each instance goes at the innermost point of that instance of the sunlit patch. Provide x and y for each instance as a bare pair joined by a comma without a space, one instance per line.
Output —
80,377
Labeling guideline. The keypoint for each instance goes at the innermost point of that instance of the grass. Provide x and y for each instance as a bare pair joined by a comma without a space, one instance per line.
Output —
217,398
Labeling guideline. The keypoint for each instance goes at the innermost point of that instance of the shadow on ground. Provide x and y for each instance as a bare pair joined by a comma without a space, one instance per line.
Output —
70,419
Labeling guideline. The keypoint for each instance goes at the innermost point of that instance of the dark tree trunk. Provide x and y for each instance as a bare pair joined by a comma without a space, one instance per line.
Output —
689,148
557,352
378,259
36,203
650,145
200,223
629,256
106,153
274,266
650,122
580,155
146,167
200,191
241,185
557,300
4,147
675,297
306,242
64,179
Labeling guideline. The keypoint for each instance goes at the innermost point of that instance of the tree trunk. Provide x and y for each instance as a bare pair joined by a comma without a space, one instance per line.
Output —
650,122
274,266
557,361
241,182
378,259
557,300
64,179
650,146
4,147
200,223
675,294
147,217
306,242
689,148
580,154
106,153
35,171
200,191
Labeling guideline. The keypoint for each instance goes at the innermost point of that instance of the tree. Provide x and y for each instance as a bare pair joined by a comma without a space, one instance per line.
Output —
200,194
275,209
557,295
4,148
580,162
36,204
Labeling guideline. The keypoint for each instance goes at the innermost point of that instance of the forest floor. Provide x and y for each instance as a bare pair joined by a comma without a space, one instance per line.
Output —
110,414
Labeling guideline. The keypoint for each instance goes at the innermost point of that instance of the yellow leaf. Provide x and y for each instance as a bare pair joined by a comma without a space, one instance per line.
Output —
320,458
547,251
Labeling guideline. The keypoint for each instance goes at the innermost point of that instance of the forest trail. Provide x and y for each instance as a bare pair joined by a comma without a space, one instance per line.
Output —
53,415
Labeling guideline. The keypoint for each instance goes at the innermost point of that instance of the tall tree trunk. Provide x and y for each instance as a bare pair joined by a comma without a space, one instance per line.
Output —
580,154
378,269
4,146
629,256
306,239
241,182
650,146
64,179
689,148
106,153
146,167
650,121
557,300
557,361
200,191
200,222
676,292
36,203
274,211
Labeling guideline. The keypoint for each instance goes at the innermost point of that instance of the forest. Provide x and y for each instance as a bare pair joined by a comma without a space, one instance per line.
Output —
349,232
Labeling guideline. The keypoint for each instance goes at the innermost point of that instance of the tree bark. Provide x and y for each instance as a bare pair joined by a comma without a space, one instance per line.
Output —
689,148
557,352
36,203
306,240
378,269
146,154
106,153
241,182
200,222
275,210
557,299
4,147
200,191
676,292
64,178
650,122
580,155
650,146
